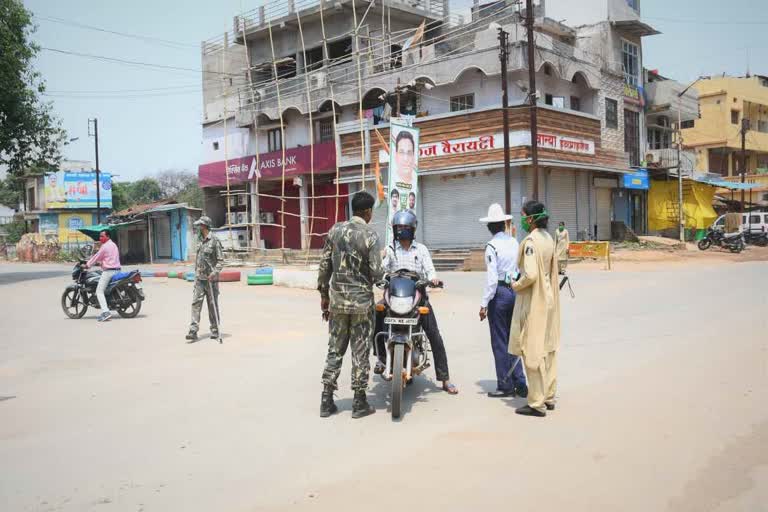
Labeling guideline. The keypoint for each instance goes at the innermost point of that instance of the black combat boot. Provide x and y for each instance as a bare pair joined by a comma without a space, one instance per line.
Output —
191,336
327,407
360,406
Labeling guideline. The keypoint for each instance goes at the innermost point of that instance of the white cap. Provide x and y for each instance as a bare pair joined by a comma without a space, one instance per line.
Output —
496,214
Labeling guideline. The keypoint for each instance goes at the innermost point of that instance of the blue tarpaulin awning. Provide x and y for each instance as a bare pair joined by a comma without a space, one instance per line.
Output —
721,183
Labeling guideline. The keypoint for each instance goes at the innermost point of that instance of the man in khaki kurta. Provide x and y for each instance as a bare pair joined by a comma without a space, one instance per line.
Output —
535,333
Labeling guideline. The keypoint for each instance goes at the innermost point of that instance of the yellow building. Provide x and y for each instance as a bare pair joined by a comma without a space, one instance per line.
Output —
726,103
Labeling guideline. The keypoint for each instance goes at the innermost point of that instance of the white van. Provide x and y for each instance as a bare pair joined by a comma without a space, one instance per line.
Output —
754,221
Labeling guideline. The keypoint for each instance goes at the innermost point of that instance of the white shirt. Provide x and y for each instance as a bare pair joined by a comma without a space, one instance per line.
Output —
500,259
416,259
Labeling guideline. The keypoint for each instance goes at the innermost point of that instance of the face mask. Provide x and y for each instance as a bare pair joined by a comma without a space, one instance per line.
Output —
404,233
561,229
525,221
103,239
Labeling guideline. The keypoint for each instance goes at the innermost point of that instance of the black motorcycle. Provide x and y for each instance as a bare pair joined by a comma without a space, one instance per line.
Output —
124,293
734,243
406,344
758,238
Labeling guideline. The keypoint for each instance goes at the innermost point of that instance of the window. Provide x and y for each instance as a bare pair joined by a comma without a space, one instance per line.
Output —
216,146
762,126
548,99
687,124
324,131
635,4
611,113
631,60
463,102
575,103
734,117
632,136
659,138
274,140
754,219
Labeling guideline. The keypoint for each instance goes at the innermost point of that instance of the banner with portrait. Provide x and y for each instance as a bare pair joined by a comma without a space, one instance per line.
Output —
402,191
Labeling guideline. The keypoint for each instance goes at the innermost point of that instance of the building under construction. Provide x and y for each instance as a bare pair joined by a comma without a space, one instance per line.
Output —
298,98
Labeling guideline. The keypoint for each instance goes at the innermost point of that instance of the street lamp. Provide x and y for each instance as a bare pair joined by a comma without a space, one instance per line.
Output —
679,147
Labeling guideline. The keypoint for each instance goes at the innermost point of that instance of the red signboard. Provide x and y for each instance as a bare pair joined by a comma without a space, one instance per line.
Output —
270,165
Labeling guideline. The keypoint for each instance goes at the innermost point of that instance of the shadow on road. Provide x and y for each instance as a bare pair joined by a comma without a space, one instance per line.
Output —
417,392
18,277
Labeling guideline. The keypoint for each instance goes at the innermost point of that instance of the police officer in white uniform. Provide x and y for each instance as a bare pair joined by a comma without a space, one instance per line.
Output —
498,302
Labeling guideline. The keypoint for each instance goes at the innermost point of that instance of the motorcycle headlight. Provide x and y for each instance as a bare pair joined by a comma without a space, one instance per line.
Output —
401,305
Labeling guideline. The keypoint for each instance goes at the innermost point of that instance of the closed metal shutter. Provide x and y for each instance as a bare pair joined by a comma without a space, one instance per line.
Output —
452,205
582,207
604,213
162,232
561,199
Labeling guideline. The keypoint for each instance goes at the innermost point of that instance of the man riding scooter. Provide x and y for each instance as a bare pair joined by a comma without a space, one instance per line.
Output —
404,253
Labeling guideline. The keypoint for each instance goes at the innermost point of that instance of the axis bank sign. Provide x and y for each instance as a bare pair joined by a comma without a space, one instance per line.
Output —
496,141
297,161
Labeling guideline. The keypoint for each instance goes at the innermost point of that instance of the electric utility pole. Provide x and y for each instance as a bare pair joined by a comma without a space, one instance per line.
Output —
504,57
529,17
95,136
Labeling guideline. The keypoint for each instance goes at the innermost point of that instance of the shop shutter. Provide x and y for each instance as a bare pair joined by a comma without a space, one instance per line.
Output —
584,227
162,232
561,200
452,205
603,213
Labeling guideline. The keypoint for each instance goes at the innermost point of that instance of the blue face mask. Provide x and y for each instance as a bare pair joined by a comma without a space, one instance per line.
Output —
404,233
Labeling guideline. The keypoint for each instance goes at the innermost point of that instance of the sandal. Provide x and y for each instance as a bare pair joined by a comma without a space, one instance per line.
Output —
451,388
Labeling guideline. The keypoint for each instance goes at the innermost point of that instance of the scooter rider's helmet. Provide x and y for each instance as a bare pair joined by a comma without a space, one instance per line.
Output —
404,225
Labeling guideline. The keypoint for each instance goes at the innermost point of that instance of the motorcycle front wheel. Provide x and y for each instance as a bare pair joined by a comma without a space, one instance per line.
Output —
397,379
704,244
72,304
131,310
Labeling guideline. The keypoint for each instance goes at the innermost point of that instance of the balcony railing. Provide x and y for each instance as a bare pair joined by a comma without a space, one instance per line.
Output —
668,159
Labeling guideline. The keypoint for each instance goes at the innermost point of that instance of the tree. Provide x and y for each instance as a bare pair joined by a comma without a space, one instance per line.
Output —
30,134
172,181
146,190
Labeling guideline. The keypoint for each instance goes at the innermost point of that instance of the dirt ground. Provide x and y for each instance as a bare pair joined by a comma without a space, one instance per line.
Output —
663,403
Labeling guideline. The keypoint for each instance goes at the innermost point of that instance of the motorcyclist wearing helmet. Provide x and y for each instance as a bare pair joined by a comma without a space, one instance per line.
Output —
405,253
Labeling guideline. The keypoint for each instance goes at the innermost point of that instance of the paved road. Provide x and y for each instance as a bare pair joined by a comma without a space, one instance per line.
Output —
663,405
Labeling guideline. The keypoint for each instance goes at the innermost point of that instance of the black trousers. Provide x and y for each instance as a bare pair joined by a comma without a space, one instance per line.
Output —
429,324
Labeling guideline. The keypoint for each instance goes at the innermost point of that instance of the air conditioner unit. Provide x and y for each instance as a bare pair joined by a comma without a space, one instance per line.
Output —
242,218
267,218
232,218
242,200
232,201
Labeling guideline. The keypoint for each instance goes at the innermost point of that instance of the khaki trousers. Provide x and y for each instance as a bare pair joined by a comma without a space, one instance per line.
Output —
542,383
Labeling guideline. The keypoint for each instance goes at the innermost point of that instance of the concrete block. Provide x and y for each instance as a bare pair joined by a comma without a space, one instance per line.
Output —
290,278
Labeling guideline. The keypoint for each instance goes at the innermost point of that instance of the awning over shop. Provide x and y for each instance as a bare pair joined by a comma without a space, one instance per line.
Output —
721,183
94,231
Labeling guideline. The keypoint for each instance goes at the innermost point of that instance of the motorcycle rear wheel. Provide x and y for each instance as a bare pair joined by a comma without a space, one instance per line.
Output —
737,247
132,310
704,244
397,379
72,304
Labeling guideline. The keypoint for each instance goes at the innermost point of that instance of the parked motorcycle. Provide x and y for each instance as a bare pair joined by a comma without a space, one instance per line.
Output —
406,344
758,238
124,293
734,243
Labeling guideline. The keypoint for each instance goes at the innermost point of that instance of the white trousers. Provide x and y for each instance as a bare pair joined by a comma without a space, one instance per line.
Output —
106,277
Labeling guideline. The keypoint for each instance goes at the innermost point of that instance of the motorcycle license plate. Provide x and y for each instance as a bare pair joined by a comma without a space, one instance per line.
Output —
401,321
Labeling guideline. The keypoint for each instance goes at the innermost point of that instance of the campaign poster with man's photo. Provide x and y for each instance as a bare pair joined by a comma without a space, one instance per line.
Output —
402,188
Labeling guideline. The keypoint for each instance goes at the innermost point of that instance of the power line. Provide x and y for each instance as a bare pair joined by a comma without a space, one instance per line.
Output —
132,62
706,22
164,42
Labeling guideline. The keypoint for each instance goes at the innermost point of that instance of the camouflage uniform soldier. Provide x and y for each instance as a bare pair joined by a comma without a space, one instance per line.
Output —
350,265
208,265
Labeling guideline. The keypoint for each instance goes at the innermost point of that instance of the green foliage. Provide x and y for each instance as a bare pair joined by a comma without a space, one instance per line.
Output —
10,192
179,185
30,134
15,230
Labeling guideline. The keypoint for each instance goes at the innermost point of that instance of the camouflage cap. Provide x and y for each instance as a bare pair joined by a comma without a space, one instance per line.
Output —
204,221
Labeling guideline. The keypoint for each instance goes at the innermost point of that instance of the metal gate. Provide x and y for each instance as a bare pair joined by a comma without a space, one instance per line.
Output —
561,200
452,205
604,213
162,232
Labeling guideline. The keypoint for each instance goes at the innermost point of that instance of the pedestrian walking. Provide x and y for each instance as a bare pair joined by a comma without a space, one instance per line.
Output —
108,257
562,247
349,267
536,320
208,264
498,303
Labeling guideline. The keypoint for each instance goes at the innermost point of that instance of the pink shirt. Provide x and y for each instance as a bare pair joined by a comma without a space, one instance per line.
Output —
108,256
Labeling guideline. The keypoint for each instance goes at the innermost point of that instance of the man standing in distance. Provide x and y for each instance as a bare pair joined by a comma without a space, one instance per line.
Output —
208,264
349,267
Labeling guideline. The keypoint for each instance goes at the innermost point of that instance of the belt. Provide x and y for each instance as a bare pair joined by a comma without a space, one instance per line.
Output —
503,283
112,269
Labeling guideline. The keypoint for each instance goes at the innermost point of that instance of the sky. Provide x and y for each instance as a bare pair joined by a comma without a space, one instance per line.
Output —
149,119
